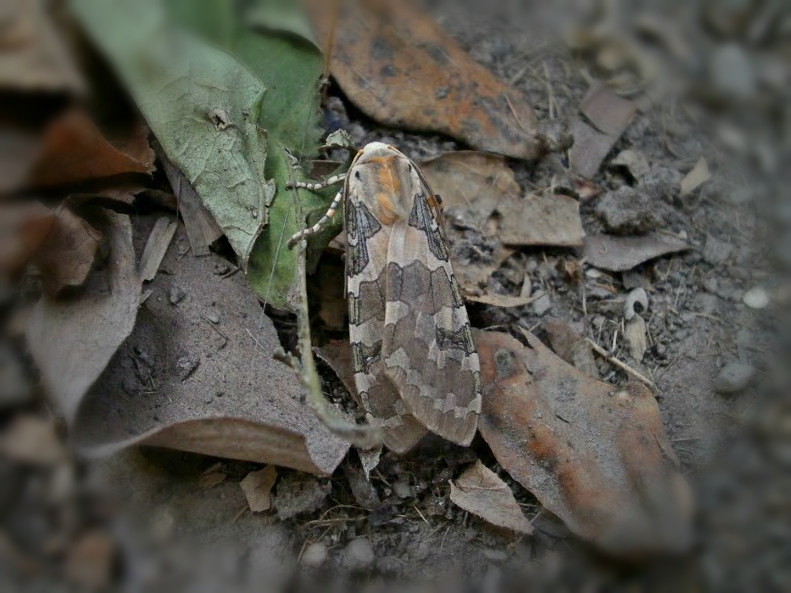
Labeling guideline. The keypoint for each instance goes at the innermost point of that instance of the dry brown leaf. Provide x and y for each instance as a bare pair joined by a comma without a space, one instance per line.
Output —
34,58
72,341
481,492
156,247
568,342
202,229
609,115
478,190
89,561
594,455
399,67
607,111
74,151
66,257
696,177
539,219
257,487
472,185
32,440
183,382
619,254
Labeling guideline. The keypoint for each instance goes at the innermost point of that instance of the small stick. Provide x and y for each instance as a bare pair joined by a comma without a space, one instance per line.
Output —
621,365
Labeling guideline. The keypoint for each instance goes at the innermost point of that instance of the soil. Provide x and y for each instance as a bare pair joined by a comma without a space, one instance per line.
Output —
697,323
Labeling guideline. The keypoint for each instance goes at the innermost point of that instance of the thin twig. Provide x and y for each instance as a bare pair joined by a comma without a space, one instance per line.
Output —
364,436
621,365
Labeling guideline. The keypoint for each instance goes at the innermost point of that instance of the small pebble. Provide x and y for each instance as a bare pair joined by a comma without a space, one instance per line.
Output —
222,269
315,555
756,298
401,488
213,317
495,556
176,295
733,377
359,555
542,305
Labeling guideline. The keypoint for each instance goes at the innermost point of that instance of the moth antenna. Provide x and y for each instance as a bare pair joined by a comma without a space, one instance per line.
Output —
323,221
315,186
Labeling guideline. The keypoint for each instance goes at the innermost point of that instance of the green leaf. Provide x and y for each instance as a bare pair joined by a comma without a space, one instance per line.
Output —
272,38
210,76
202,104
273,266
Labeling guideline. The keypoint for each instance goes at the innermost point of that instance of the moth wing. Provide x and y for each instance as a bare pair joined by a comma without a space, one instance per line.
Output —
428,348
366,262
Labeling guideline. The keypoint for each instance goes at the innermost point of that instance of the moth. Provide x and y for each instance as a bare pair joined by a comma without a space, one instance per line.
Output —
415,363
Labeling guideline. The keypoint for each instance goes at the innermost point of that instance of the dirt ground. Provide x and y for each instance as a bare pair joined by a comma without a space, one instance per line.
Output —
733,448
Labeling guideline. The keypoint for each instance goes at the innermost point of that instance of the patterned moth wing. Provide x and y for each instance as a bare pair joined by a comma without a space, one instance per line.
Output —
408,323
367,239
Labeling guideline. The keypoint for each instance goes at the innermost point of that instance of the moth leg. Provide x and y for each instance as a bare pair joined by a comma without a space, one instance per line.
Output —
323,221
317,185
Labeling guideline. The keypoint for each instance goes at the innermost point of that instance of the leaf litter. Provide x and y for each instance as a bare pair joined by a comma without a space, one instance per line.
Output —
399,67
483,493
543,420
184,382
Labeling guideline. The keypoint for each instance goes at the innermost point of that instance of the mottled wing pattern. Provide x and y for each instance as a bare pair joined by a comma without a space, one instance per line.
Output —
428,348
366,263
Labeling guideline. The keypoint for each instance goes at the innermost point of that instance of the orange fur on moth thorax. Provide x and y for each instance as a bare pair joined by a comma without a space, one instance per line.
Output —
416,368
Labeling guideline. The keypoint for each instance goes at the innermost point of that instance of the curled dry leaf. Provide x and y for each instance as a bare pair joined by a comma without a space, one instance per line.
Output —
399,67
185,382
67,256
61,244
594,455
481,492
619,254
72,341
74,151
257,486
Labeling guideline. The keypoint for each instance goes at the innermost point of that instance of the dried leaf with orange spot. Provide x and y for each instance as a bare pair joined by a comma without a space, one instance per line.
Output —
596,456
397,65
